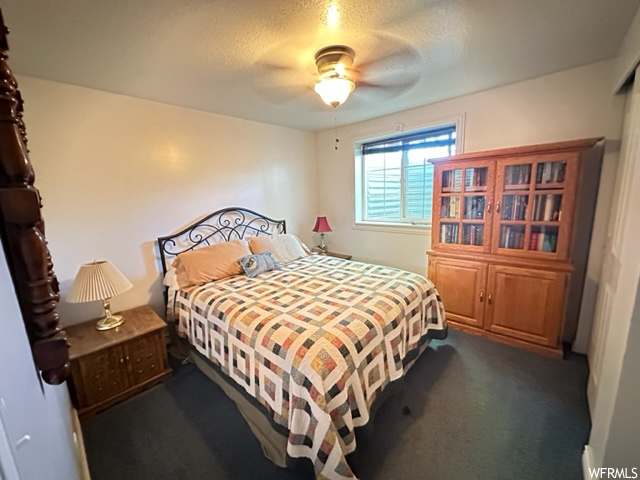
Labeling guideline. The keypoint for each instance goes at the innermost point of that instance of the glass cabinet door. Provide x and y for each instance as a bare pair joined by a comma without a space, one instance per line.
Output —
464,194
530,197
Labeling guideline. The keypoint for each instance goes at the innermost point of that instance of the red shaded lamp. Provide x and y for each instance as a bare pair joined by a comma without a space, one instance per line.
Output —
321,227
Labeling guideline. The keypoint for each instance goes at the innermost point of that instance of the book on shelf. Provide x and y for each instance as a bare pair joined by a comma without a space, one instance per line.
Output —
455,207
449,233
511,237
457,179
518,240
475,177
551,172
514,207
518,174
472,235
474,207
452,179
450,207
543,242
547,207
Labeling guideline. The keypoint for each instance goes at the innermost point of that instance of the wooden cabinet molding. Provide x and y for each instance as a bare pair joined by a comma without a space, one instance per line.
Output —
22,232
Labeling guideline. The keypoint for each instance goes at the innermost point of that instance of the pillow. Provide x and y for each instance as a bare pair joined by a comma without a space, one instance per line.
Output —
286,247
209,263
254,265
171,279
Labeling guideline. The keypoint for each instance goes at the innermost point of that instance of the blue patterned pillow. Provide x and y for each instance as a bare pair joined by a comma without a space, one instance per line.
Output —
254,265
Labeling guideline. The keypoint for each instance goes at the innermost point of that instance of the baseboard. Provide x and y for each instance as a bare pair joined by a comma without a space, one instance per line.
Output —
80,452
587,462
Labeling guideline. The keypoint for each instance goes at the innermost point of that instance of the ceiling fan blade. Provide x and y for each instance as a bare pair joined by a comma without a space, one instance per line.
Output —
273,66
389,64
386,90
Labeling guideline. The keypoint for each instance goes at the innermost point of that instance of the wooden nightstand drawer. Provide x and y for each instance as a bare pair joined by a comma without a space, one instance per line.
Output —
101,375
110,366
145,357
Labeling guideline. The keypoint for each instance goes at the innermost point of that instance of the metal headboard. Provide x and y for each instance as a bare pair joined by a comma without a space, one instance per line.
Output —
221,226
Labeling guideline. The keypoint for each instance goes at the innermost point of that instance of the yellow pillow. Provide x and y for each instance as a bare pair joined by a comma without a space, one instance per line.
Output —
210,263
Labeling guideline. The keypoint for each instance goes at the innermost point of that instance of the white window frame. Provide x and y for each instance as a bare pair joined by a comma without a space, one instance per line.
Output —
417,228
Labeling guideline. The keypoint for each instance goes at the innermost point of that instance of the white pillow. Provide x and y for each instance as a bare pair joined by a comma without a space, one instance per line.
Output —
285,247
171,279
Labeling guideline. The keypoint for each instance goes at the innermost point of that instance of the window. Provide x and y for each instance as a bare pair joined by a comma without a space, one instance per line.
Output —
395,178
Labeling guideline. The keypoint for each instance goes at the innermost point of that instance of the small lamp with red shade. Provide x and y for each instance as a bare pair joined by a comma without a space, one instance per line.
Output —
321,227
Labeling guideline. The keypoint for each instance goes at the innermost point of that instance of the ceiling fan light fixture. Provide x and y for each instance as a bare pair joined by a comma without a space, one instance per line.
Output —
334,90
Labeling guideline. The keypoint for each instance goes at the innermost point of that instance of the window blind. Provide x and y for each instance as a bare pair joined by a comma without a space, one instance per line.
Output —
398,179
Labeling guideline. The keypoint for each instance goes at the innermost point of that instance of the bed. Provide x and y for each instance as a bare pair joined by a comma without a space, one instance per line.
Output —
306,351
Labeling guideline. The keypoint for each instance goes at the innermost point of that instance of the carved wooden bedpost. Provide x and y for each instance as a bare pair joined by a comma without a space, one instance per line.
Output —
22,231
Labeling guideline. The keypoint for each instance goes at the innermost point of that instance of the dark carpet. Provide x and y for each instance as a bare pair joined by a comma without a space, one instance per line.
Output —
469,408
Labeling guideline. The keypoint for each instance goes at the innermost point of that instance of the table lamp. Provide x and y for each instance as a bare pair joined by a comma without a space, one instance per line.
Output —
99,281
321,227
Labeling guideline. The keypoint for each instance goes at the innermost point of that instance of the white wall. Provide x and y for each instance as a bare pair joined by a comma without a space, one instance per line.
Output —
628,55
44,414
567,105
116,172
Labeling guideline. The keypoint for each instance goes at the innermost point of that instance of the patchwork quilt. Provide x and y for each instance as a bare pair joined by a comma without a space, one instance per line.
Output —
314,344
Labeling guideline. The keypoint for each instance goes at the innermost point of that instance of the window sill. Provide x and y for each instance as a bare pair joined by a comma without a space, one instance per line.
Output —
393,228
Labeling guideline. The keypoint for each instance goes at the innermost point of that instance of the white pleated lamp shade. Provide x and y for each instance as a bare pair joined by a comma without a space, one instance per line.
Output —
97,281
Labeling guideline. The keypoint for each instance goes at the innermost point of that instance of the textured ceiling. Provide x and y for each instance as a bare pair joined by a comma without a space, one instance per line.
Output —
254,59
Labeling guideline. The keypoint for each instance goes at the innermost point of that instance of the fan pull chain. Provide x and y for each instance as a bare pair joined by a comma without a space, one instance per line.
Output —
335,127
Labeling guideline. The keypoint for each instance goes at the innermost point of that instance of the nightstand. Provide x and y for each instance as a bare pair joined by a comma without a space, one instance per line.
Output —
339,255
113,365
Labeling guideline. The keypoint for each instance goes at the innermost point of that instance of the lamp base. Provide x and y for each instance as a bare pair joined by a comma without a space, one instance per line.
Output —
322,247
107,323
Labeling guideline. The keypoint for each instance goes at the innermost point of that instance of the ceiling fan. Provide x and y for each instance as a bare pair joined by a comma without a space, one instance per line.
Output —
386,67
333,65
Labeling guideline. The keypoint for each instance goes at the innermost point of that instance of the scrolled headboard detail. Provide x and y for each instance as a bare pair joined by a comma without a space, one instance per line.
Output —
22,232
221,226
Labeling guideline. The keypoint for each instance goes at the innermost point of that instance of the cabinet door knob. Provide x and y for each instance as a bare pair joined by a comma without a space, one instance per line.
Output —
489,299
121,361
481,296
489,207
498,207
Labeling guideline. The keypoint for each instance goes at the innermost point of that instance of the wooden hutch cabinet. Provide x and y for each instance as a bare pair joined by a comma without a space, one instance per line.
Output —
510,239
